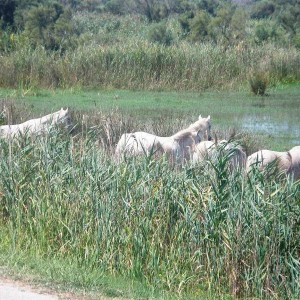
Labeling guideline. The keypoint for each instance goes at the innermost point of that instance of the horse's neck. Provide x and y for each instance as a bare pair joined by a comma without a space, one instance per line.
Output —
51,118
198,126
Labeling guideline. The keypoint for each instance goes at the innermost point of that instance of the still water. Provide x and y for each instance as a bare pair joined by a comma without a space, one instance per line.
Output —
278,128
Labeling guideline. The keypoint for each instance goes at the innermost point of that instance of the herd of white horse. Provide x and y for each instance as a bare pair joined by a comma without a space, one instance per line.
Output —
193,144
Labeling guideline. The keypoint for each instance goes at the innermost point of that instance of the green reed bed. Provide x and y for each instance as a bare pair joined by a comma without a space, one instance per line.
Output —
186,230
138,64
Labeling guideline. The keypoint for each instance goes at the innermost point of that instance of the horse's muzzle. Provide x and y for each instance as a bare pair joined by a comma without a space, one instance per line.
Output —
209,138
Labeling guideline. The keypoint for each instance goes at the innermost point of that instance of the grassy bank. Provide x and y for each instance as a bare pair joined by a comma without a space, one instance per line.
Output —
143,65
194,230
272,119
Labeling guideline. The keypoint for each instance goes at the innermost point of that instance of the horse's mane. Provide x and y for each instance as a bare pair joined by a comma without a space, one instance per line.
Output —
198,125
182,134
53,117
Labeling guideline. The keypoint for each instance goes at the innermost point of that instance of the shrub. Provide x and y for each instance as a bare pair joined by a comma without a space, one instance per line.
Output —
49,25
296,40
199,26
160,34
258,83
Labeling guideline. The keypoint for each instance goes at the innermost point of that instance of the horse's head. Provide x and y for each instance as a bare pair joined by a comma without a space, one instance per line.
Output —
204,126
64,119
208,130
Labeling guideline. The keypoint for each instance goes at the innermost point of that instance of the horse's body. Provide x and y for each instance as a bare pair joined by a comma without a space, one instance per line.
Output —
295,164
208,150
263,158
237,157
204,150
179,146
137,143
39,125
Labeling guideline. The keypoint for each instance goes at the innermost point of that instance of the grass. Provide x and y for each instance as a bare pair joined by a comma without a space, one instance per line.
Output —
139,64
274,117
187,233
63,275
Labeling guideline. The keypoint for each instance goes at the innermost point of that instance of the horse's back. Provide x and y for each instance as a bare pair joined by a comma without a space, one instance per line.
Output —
260,158
264,158
203,151
136,143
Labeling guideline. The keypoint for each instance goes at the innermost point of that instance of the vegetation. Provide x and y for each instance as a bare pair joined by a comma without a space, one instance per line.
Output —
147,44
259,83
189,232
196,229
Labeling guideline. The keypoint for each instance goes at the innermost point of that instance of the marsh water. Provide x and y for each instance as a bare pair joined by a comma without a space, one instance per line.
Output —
283,132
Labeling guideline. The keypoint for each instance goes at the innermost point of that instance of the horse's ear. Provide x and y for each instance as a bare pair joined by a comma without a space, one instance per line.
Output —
208,118
200,117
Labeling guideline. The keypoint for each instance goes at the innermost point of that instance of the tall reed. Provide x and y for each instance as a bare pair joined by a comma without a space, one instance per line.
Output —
138,64
189,229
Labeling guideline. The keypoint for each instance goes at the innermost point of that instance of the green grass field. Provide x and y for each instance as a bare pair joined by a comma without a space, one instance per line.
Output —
74,218
274,118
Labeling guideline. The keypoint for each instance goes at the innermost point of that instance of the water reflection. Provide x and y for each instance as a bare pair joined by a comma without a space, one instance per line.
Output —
267,125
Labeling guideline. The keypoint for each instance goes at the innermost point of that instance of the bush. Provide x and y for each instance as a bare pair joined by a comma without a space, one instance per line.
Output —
49,25
199,26
160,34
258,83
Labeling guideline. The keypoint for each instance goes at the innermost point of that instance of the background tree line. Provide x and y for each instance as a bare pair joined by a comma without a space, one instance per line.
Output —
55,24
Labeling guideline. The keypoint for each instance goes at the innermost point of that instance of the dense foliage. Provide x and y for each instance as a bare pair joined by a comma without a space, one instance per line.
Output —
137,39
50,22
195,229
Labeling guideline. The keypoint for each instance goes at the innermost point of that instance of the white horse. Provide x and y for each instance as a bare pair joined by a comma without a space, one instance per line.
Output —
39,125
208,150
202,125
266,158
177,147
286,162
295,165
204,150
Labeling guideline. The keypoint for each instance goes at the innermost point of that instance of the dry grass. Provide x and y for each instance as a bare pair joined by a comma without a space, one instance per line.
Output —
142,65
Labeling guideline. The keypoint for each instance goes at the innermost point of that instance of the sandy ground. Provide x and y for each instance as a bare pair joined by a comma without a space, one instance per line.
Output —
11,290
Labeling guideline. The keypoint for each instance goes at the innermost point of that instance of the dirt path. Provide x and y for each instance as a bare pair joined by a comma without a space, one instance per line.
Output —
14,287
11,290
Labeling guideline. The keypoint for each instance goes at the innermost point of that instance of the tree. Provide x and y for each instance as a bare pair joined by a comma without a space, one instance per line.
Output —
22,8
228,24
199,26
263,10
48,25
7,10
290,18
